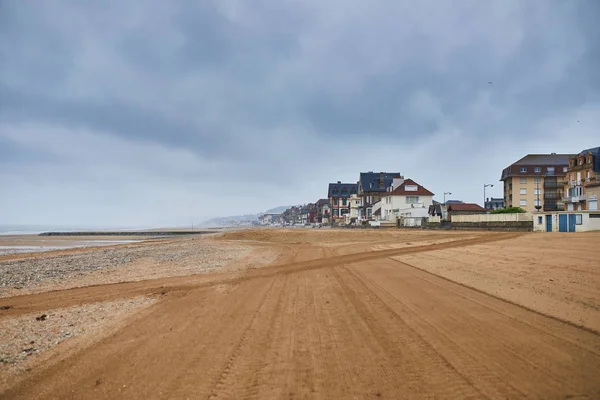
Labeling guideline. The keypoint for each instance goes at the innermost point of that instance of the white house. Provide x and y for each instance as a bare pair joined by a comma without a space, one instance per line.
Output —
355,208
405,198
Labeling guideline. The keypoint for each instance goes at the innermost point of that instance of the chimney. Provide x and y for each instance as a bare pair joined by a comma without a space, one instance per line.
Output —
381,180
339,182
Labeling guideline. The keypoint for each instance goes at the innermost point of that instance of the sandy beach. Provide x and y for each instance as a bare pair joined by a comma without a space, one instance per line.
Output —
305,313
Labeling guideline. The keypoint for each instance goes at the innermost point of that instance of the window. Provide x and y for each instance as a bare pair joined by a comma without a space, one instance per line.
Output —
344,202
523,191
537,169
589,160
551,170
536,191
540,220
410,188
524,180
565,169
537,202
523,169
578,219
581,161
412,199
536,180
335,202
523,202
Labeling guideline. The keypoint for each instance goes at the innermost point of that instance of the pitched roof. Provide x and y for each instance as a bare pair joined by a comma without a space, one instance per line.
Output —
401,190
523,167
370,181
322,202
466,207
544,159
342,190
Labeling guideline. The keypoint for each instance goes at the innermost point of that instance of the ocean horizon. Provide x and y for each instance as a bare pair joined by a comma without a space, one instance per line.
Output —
37,229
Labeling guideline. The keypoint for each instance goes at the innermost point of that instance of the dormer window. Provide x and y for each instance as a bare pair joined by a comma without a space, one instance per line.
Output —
571,163
523,169
537,169
589,160
581,161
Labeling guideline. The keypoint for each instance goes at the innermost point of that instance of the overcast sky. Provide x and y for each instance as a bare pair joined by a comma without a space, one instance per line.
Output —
150,113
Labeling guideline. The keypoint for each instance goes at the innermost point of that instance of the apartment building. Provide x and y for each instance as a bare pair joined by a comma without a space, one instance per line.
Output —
339,195
582,181
536,182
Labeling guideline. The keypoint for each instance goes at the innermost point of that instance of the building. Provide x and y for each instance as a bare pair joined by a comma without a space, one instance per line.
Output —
465,209
579,221
308,214
494,203
436,210
371,186
323,211
270,219
291,215
582,181
339,194
355,204
405,198
536,180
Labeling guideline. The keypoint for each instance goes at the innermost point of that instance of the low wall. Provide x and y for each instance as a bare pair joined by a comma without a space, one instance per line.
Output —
514,226
122,233
510,226
514,217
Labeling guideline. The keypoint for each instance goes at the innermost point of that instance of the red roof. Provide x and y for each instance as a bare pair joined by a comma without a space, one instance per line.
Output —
465,207
401,190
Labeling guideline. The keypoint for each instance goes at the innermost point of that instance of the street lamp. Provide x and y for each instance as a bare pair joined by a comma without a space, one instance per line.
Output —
538,205
445,193
484,186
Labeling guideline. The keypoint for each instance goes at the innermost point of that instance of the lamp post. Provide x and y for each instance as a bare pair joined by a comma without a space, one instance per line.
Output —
538,205
445,193
485,185
443,209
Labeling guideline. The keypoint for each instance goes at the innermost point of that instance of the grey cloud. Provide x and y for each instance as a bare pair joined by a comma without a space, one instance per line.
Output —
279,94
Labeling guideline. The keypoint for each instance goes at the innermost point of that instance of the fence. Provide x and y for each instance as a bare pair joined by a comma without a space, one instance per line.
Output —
435,219
475,218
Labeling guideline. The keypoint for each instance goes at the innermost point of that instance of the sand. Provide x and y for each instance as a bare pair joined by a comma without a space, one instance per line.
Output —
341,314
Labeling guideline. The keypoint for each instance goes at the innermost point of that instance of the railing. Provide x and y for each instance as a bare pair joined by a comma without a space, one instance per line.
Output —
517,217
594,180
574,199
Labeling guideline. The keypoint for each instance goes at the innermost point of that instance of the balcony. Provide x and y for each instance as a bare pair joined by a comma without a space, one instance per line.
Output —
578,167
553,184
593,181
574,199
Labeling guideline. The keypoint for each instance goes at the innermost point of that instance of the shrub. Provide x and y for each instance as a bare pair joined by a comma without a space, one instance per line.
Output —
508,210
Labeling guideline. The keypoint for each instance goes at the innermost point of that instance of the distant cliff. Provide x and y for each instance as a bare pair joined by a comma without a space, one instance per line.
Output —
241,220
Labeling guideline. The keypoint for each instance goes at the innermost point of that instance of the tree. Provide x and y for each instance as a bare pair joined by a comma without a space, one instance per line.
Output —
508,210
